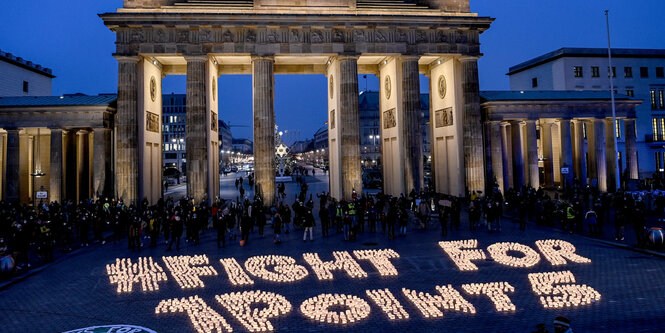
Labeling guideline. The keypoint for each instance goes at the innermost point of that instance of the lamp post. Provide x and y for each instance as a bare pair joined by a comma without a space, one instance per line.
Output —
614,113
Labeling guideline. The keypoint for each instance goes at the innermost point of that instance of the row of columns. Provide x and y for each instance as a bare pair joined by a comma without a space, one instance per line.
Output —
75,170
513,167
345,156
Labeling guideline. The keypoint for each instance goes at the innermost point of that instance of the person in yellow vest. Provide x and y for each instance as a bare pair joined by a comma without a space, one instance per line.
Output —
570,219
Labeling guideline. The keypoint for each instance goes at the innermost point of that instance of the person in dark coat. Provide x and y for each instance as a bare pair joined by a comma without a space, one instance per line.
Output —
219,223
277,227
176,227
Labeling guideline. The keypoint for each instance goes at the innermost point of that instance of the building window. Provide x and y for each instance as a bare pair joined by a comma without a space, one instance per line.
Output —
654,103
659,165
659,72
628,71
579,71
26,86
661,99
662,129
595,71
644,72
617,127
654,125
613,72
534,82
630,93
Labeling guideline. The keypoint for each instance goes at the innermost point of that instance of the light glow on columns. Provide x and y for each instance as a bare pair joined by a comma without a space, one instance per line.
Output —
380,259
496,291
430,305
462,258
556,251
564,294
186,270
203,318
388,303
343,261
499,252
255,320
285,268
124,273
236,274
316,308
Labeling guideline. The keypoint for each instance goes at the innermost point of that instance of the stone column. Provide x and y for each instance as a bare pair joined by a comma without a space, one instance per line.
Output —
473,129
518,153
56,166
101,185
412,130
611,153
599,147
127,153
497,153
546,142
508,181
195,138
532,153
71,179
566,151
263,69
83,168
580,157
631,149
12,180
352,172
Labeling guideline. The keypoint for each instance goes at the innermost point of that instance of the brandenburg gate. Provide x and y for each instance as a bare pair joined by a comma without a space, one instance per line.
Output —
397,40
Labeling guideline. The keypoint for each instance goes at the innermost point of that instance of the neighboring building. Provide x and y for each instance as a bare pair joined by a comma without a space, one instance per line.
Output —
174,119
321,138
225,141
302,146
243,146
556,138
20,77
638,73
370,137
61,146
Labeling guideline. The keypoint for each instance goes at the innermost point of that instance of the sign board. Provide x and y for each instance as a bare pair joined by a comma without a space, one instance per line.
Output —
113,329
565,171
42,195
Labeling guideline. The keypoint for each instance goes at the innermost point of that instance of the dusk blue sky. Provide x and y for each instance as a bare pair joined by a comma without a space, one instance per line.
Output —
70,38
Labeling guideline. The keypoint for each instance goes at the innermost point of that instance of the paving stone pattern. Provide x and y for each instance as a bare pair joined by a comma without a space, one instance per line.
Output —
76,292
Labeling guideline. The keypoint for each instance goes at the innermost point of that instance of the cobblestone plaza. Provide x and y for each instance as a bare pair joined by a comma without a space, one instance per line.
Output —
77,292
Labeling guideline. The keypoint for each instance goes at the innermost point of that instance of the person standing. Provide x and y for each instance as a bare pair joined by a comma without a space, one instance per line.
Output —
423,213
308,224
277,227
219,223
324,215
176,227
443,220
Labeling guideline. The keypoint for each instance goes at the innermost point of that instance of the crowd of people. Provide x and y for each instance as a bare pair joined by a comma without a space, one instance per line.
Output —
26,231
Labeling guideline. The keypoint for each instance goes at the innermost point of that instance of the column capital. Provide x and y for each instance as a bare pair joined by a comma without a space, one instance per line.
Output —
127,58
468,58
263,58
343,57
408,57
196,58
